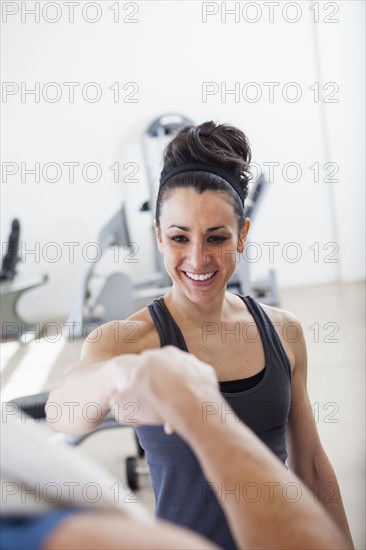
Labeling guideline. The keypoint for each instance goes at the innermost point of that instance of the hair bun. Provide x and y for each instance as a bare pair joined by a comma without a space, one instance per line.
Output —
217,144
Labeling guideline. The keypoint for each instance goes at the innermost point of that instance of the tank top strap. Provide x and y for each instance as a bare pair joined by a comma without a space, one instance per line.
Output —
168,330
269,336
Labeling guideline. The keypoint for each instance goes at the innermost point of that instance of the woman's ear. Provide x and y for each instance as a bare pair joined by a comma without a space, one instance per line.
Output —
158,236
243,235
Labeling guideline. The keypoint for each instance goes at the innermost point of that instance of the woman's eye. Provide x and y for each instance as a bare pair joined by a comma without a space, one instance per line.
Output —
217,239
178,238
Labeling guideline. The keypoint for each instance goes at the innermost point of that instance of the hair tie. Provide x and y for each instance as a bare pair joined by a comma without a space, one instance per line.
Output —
202,167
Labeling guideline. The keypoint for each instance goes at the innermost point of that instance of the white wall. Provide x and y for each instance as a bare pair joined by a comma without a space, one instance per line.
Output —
170,52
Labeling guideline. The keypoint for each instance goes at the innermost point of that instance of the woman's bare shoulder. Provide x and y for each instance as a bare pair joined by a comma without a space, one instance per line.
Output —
144,324
131,335
282,316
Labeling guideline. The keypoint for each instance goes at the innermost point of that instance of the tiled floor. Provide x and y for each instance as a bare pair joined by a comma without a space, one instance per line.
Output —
333,320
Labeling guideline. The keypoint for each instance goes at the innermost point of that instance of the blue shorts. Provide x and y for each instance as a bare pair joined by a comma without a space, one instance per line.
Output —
30,533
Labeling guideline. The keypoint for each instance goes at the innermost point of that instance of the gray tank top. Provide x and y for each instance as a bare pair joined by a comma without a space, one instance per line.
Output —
182,494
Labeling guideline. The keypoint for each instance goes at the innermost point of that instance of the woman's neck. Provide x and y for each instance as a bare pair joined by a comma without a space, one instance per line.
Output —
180,306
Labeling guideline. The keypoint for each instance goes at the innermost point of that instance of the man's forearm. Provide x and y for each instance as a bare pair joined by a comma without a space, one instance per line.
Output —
174,388
254,488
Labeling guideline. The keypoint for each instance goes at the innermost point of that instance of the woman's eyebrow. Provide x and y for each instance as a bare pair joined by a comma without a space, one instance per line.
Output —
208,229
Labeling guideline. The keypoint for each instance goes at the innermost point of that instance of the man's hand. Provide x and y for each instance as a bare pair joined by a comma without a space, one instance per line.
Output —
162,384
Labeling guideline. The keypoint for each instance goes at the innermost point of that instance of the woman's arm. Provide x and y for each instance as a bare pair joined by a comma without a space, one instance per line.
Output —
83,396
307,457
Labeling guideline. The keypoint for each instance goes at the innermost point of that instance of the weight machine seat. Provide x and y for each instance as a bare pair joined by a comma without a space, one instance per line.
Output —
34,406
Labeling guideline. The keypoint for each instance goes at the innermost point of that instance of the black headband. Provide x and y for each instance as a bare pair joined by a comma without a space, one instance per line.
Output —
202,167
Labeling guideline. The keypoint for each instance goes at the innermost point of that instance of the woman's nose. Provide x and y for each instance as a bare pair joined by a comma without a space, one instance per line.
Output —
198,255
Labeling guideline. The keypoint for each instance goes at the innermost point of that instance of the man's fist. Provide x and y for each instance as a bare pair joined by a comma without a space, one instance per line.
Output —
158,386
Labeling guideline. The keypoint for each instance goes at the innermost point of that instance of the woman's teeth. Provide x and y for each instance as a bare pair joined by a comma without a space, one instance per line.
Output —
204,277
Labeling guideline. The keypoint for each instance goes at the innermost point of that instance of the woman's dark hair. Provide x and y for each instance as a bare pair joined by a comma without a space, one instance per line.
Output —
221,145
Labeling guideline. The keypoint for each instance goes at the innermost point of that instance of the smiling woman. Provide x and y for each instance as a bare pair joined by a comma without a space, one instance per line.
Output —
200,228
207,168
199,244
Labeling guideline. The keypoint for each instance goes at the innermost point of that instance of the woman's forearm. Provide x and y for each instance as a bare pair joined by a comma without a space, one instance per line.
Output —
81,399
323,484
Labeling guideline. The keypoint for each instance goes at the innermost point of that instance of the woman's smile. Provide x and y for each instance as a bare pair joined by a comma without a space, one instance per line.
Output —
200,279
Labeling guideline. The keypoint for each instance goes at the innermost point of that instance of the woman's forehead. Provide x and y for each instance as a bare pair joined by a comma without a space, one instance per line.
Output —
187,208
188,197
